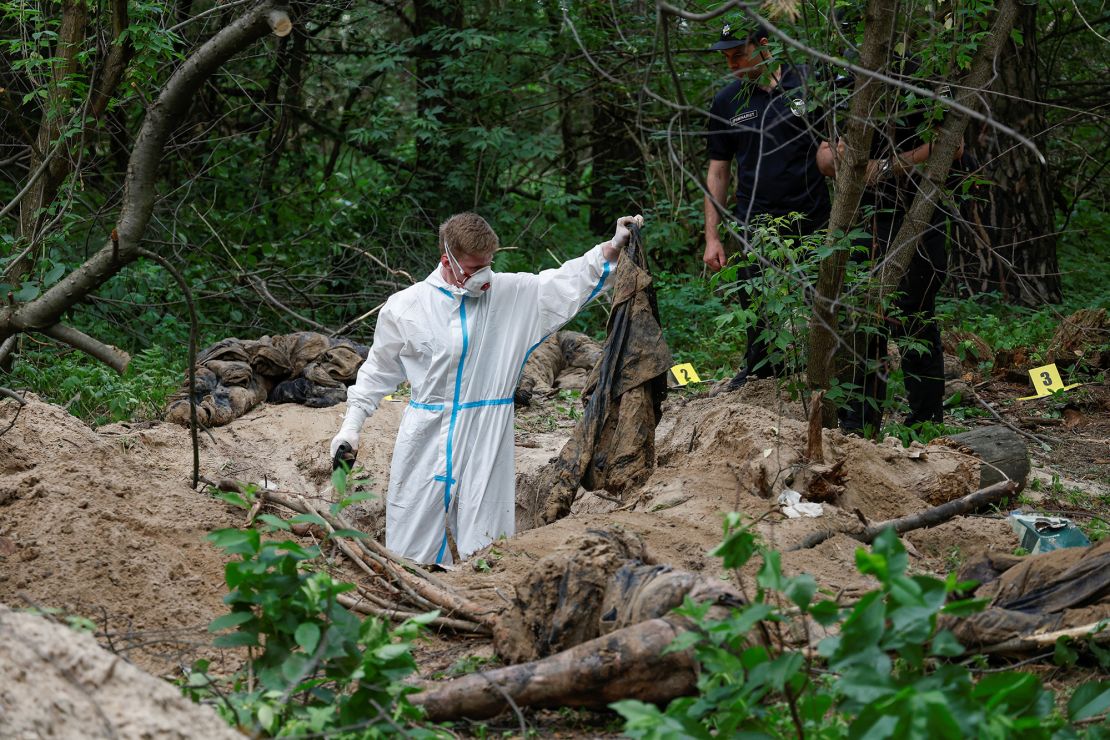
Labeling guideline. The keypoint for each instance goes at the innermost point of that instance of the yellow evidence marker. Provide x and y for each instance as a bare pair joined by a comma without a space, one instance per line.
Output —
685,374
1046,381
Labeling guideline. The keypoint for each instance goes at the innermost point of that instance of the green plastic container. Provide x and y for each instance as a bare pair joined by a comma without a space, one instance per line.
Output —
1044,533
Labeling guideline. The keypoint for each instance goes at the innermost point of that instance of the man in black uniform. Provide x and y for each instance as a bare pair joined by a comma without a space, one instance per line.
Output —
760,121
897,148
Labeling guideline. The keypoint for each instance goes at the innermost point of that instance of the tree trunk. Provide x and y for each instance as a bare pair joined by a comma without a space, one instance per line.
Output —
824,337
1002,450
938,165
1008,243
441,157
634,662
71,38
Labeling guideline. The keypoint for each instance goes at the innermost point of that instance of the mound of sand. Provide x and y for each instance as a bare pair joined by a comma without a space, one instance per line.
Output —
103,523
55,682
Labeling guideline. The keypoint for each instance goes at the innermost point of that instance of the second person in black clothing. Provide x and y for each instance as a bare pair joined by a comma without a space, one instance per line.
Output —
760,121
898,146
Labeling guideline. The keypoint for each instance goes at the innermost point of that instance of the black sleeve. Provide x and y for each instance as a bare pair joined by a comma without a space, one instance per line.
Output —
721,141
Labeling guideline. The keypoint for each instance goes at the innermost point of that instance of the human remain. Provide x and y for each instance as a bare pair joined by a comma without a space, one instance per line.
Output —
760,121
461,338
901,144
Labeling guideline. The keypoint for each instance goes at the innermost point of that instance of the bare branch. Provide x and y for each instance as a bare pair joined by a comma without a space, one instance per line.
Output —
139,188
113,357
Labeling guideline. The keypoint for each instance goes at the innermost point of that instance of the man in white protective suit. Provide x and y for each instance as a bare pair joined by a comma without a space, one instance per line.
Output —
461,338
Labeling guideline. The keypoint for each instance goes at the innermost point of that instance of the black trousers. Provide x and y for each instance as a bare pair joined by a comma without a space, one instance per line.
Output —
757,356
915,318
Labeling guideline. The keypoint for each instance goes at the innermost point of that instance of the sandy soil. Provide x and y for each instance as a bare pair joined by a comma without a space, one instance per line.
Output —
104,524
92,692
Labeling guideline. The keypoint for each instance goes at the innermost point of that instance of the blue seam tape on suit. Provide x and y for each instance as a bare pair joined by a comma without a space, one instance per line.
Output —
451,428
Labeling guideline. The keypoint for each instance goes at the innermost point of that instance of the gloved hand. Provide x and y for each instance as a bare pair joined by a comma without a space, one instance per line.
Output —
345,435
623,233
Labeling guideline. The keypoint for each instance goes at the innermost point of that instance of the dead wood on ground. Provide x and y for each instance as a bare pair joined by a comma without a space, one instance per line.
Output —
928,518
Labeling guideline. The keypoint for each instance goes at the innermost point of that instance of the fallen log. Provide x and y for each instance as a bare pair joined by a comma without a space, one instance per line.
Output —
929,518
628,662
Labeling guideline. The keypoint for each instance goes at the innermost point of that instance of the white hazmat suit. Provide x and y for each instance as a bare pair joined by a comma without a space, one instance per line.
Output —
463,355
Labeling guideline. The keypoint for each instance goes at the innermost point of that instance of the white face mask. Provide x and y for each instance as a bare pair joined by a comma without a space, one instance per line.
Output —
474,285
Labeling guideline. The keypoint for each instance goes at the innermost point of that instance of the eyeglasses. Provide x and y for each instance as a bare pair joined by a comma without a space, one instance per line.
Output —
457,268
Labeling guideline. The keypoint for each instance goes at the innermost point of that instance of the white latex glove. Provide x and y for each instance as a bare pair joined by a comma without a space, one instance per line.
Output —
623,234
348,432
349,437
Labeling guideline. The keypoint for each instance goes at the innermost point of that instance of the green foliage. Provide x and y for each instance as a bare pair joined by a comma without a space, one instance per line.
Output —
94,392
314,667
1001,323
889,670
923,432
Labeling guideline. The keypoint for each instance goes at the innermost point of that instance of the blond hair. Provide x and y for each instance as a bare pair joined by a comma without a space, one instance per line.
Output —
468,233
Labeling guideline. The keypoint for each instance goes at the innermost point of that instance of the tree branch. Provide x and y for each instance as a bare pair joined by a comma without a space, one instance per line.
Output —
113,357
941,154
139,187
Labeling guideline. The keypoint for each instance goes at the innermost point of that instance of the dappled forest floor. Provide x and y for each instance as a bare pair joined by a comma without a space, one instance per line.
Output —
103,524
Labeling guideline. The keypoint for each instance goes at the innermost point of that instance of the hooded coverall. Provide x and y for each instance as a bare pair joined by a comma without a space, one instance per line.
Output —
453,460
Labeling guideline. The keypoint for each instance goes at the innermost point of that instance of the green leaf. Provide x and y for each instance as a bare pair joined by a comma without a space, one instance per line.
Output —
800,590
28,292
266,717
236,541
236,639
275,521
230,497
353,534
339,480
826,612
965,607
946,645
1064,654
1089,700
424,619
770,575
234,619
307,636
309,519
356,498
738,546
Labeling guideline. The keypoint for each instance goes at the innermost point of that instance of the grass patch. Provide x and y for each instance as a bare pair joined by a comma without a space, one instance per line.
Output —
92,391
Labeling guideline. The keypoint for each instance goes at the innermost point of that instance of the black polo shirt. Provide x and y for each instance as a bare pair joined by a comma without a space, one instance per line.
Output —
768,134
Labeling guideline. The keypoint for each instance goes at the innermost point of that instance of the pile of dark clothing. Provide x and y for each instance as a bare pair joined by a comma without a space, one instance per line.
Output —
235,375
1036,594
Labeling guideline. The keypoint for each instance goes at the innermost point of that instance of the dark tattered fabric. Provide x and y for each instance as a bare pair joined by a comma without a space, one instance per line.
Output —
613,444
235,375
1036,593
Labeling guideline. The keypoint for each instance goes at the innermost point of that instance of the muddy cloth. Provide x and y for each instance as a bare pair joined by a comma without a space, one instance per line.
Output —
561,361
1036,594
235,375
595,584
613,444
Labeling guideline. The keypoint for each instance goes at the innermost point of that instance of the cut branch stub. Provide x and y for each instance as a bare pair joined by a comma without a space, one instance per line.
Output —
279,22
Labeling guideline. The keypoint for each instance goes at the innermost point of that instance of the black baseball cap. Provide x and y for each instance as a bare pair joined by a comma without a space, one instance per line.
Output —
731,36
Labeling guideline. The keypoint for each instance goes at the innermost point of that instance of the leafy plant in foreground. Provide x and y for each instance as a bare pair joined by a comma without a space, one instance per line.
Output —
313,666
887,666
